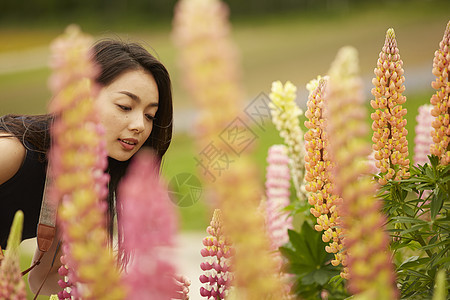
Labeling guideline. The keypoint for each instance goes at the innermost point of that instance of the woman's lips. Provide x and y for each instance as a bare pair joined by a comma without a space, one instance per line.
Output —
128,144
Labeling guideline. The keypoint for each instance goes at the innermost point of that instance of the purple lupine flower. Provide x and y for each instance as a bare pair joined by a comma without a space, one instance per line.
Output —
217,267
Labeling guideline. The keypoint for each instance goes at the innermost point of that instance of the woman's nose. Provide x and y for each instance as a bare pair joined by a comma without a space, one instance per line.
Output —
137,123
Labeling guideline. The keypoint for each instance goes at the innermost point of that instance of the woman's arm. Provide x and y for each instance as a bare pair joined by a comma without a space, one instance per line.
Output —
12,155
37,275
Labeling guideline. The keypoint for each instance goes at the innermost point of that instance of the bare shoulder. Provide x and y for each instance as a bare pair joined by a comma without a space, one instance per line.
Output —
12,154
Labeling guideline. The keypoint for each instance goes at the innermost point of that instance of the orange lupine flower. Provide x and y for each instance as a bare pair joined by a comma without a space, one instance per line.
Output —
440,100
389,132
367,257
319,176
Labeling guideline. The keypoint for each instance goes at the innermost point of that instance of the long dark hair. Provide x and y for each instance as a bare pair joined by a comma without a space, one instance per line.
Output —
114,58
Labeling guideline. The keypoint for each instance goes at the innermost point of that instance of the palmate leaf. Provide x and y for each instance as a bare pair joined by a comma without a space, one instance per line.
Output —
309,261
309,245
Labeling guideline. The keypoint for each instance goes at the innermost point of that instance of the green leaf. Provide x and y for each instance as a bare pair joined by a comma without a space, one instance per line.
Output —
308,245
407,220
430,174
444,262
433,240
414,262
409,259
417,274
408,210
289,254
301,268
15,234
413,228
296,241
319,276
308,242
436,203
434,160
397,246
435,245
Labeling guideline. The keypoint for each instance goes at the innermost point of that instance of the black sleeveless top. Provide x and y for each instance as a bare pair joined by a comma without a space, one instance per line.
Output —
23,191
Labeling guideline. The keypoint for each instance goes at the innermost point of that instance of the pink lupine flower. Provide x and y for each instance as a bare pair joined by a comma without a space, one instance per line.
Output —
440,100
77,162
389,132
12,285
367,244
319,176
218,251
423,139
149,226
278,221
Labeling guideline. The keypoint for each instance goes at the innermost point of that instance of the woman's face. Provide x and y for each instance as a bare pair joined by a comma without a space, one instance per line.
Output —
126,108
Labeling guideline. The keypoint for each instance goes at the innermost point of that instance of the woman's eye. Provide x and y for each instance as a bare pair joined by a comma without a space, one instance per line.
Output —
125,108
150,117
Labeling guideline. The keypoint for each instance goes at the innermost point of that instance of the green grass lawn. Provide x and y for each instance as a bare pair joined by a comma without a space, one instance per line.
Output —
181,154
295,46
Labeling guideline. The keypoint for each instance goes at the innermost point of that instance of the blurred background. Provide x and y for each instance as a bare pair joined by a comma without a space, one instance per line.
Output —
283,40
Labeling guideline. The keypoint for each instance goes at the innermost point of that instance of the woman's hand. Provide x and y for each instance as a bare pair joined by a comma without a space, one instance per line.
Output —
183,284
45,273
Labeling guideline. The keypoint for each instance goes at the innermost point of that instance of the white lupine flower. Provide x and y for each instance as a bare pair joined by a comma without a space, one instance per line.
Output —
285,116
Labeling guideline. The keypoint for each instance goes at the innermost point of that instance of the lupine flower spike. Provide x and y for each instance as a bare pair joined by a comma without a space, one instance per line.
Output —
423,139
278,220
319,176
209,62
440,100
366,242
149,226
12,285
389,132
77,162
218,251
256,271
285,113
210,65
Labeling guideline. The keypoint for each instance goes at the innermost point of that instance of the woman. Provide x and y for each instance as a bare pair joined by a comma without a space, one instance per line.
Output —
135,108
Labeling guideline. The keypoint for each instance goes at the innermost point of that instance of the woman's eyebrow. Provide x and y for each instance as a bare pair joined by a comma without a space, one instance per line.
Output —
136,98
